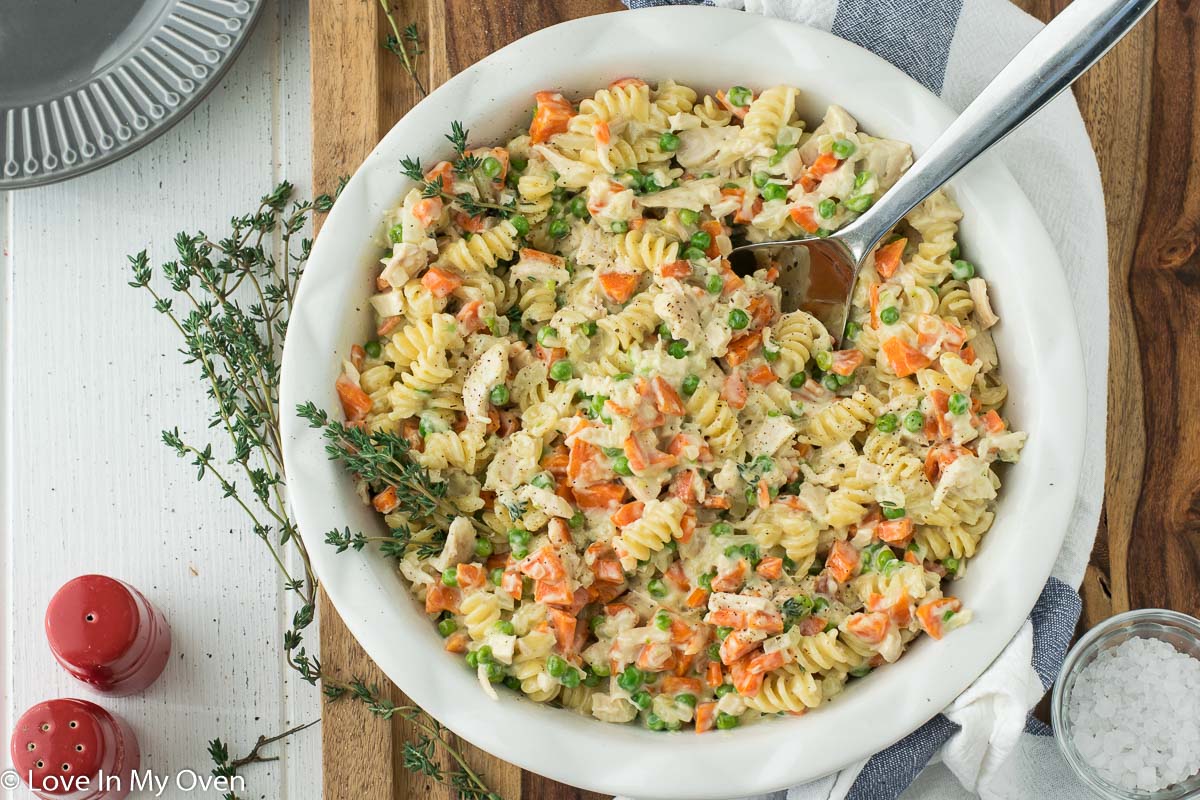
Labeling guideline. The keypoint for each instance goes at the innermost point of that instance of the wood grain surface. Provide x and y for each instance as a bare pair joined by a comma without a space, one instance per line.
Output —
1141,105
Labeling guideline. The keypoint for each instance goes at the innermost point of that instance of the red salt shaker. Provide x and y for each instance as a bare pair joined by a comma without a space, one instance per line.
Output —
106,634
71,749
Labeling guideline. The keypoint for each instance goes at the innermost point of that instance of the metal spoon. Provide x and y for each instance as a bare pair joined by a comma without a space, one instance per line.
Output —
818,274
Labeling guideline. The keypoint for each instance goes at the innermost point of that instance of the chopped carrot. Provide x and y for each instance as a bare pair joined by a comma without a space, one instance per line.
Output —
716,501
441,597
440,282
734,390
766,621
804,217
639,460
687,525
770,568
655,657
443,170
675,685
600,495
765,662
763,493
895,531
357,356
557,462
874,305
903,358
457,642
727,618
469,223
871,628
746,683
992,422
737,111
622,83
825,164
733,281
676,576
742,347
390,324
666,399
762,311
548,355
810,626
601,132
543,564
582,454
553,113
628,513
355,402
676,269
941,409
619,286
736,645
887,258
846,361
933,615
386,502
609,570
427,210
730,581
842,561
564,628
898,610
468,316
469,576
553,593
713,676
683,486
697,599
940,457
713,228
512,583
762,375
706,715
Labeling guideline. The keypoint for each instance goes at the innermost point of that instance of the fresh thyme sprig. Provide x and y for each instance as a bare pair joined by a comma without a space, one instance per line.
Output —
230,301
465,165
228,768
405,44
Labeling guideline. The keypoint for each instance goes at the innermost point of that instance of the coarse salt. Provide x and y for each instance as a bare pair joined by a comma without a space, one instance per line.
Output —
1135,714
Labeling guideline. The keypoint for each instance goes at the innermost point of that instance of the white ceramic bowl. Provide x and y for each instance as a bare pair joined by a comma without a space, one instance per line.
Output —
1037,340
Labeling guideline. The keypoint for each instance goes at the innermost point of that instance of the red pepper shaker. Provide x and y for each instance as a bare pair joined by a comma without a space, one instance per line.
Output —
71,749
106,634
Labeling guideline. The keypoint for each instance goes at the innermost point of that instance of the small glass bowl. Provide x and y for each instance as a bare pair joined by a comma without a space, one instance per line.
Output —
1178,630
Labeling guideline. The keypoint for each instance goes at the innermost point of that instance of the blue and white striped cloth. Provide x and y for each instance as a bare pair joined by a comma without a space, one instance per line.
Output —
954,47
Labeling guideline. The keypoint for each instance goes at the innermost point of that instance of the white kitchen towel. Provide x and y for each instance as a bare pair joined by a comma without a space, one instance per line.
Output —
955,47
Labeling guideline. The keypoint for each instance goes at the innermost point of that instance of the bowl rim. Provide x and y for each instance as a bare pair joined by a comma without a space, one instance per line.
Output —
1163,617
558,744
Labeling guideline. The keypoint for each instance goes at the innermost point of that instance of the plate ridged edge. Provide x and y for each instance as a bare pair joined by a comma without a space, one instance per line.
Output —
130,103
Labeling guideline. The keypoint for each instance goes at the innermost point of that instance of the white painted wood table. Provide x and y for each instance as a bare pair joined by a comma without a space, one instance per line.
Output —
90,376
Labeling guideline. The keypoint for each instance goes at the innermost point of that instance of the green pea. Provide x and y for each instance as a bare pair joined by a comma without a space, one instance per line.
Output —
739,96
830,382
542,481
844,148
887,423
761,179
559,228
513,682
621,466
602,670
726,721
396,233
678,348
781,151
770,354
951,565
447,627
694,254
701,240
472,659
715,284
723,631
959,403
962,270
555,665
484,653
668,142
450,576
819,605
774,191
687,698
656,588
798,380
499,395
893,512
721,529
545,335
512,179
889,315
492,167
373,348
955,252
714,654
827,208
852,330
577,519
591,679
688,217
641,699
655,723
505,627
631,679
690,384
578,207
662,621
823,359
562,370
738,319
589,328
483,548
518,164
570,678
664,331
860,672
914,421
860,180
860,203
619,226
496,576
518,542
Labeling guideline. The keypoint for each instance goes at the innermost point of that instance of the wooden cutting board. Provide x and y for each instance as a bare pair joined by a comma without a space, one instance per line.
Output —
1140,106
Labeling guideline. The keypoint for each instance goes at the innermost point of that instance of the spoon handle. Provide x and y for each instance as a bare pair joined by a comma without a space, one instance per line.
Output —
1060,53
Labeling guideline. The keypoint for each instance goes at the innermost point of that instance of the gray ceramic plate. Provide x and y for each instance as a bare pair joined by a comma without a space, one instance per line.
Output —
86,82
